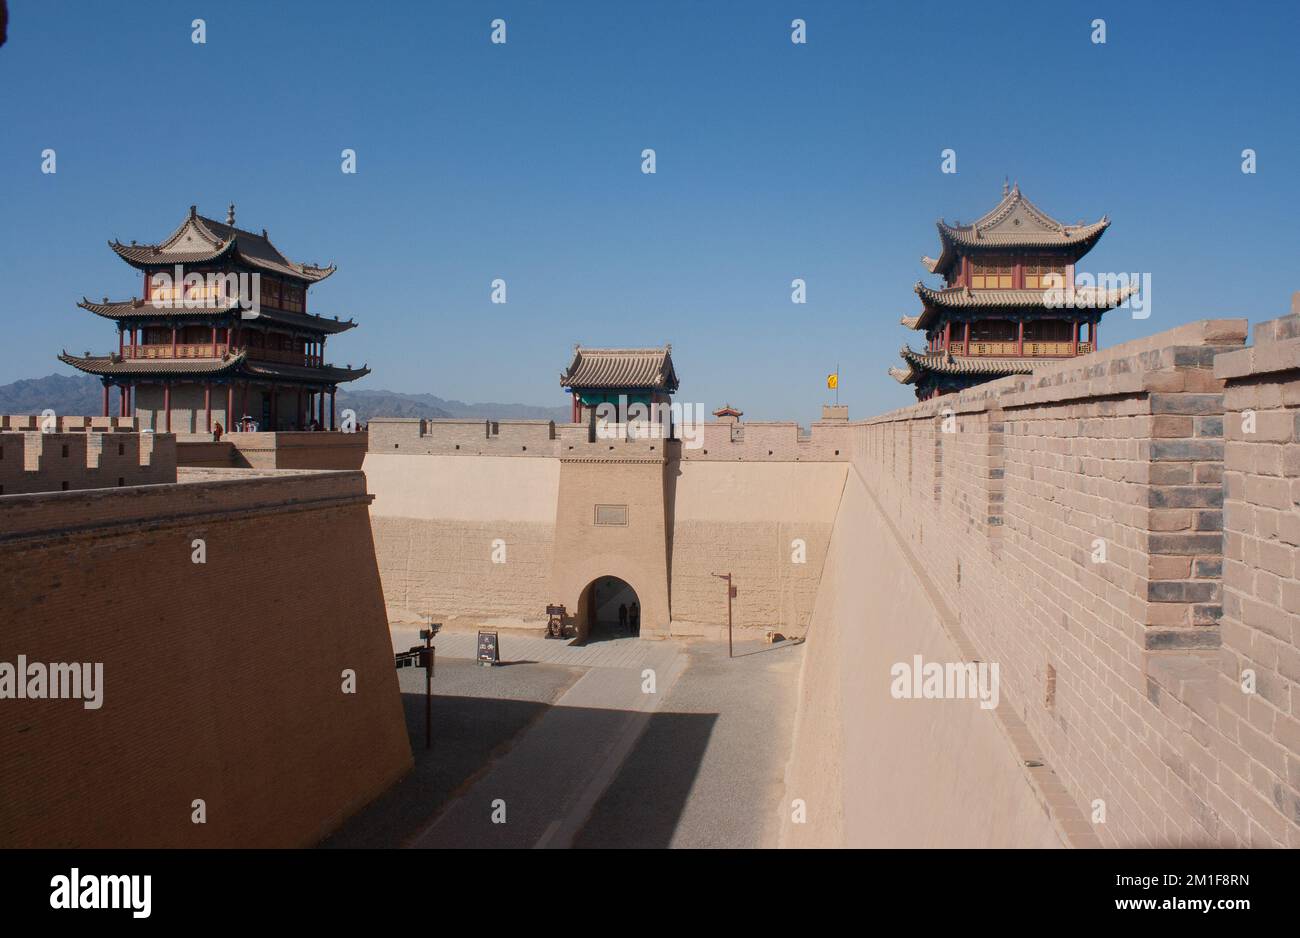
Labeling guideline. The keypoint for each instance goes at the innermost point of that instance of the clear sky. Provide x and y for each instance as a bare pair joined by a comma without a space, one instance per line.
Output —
523,161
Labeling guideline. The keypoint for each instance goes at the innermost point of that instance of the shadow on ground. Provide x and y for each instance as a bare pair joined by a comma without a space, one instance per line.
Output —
471,734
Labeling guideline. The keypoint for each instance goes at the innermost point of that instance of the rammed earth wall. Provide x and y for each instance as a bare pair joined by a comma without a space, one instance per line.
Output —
222,681
1070,526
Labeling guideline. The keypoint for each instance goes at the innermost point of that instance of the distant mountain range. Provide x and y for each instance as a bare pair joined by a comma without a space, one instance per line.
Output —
83,394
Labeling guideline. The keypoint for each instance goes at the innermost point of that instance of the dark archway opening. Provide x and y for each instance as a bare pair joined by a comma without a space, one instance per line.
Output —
609,609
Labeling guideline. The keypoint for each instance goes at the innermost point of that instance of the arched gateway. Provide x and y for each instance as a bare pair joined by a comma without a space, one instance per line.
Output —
608,608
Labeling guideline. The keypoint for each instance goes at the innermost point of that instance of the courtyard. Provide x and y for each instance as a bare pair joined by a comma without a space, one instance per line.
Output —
616,743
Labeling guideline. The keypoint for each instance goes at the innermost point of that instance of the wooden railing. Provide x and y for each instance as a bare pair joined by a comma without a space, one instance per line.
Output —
208,350
181,350
1011,350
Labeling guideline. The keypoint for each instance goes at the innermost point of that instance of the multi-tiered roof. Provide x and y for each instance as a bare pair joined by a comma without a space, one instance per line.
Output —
992,316
182,335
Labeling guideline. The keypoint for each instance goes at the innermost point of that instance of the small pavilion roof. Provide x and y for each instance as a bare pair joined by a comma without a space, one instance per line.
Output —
203,240
621,368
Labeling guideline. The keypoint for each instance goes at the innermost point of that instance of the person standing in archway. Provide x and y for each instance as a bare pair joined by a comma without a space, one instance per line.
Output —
622,616
636,618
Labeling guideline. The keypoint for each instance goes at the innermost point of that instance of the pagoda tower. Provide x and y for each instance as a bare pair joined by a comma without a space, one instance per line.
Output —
1008,299
220,332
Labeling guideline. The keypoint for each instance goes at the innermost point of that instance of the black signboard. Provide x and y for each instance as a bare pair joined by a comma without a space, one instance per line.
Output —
488,650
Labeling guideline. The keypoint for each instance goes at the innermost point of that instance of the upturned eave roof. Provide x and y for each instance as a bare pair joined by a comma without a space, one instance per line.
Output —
936,302
110,366
137,308
1014,224
942,363
648,369
202,240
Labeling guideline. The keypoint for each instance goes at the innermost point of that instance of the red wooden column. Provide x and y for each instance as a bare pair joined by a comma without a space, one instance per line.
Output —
167,403
207,397
121,408
1092,334
173,341
121,341
105,400
947,336
965,340
1074,337
230,406
331,408
214,341
1020,337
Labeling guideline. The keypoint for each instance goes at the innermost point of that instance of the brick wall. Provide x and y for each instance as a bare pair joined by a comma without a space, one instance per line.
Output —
1258,734
775,441
285,449
1073,519
82,457
222,680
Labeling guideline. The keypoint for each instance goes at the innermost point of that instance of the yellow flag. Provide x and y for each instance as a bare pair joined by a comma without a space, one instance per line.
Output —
833,381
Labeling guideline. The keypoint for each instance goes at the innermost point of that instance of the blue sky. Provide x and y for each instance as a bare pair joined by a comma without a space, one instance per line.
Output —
522,161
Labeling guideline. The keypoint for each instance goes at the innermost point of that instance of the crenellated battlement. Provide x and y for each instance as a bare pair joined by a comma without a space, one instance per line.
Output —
84,453
777,441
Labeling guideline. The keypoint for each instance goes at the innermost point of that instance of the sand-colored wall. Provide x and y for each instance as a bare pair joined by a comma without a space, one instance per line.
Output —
635,552
285,449
220,683
442,521
440,524
875,771
748,518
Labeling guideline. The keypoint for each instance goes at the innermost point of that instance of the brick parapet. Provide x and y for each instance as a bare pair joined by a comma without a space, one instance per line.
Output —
210,494
35,461
1140,450
776,441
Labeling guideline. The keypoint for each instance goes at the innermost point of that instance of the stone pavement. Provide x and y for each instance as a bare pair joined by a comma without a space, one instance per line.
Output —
549,780
610,653
698,763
